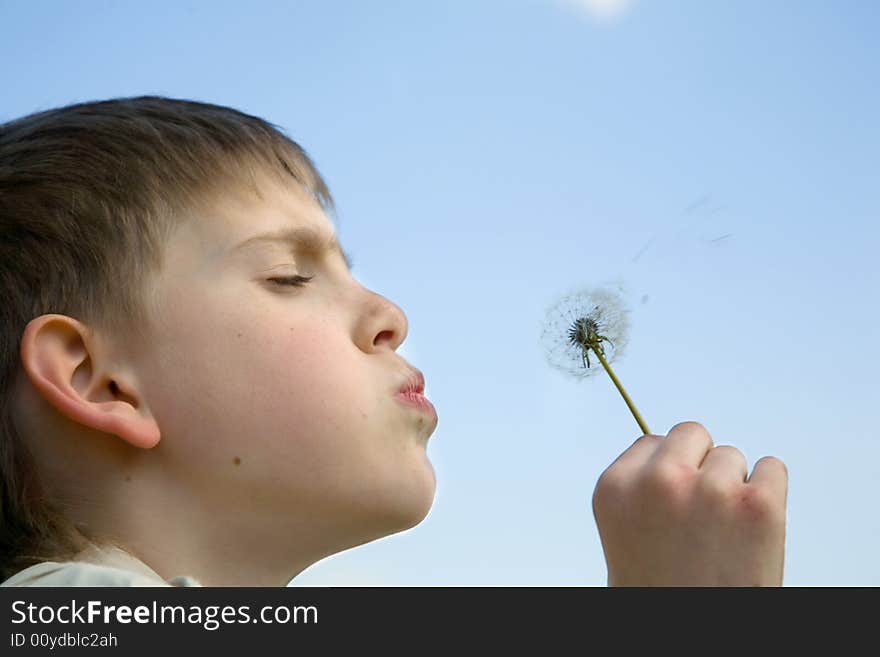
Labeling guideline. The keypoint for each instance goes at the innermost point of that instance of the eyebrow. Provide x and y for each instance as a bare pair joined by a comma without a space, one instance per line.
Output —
308,239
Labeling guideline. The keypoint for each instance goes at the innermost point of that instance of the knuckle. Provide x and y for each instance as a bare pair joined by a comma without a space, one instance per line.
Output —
776,463
669,477
732,457
692,432
760,505
717,492
690,426
647,438
646,441
729,449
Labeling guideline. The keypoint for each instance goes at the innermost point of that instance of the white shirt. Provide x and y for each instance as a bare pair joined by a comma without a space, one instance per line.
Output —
99,566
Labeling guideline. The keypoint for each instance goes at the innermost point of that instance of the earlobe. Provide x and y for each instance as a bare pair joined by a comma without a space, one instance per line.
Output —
67,367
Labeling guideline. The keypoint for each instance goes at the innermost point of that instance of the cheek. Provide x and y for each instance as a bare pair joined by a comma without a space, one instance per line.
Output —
290,397
282,412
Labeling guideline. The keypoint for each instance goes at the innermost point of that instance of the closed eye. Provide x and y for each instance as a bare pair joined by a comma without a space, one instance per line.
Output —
295,281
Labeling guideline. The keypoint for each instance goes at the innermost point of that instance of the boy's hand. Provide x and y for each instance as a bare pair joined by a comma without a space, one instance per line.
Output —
677,511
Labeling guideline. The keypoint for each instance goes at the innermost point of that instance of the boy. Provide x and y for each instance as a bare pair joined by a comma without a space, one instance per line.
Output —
196,391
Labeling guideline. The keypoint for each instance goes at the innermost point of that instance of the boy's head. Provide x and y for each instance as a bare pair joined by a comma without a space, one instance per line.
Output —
165,383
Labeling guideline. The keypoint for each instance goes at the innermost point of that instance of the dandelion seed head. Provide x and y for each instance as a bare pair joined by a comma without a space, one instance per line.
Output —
574,325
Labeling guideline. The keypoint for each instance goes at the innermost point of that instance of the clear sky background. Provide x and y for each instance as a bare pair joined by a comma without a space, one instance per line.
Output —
717,160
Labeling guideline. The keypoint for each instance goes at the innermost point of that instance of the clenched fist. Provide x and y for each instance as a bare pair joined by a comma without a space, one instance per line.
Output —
678,511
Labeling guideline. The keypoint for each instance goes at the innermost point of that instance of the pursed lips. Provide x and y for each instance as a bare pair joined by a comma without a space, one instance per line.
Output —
415,383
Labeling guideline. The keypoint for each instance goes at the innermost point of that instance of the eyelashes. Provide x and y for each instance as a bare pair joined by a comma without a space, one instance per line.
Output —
293,281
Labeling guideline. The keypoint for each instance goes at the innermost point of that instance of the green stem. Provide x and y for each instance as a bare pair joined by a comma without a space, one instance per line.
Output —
632,407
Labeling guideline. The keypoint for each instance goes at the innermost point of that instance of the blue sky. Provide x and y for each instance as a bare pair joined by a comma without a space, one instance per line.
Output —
717,161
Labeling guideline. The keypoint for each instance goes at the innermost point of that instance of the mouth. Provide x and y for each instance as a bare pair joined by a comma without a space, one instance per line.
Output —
414,384
418,402
412,394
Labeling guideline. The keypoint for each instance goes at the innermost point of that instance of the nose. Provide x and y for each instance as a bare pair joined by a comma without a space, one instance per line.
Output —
383,324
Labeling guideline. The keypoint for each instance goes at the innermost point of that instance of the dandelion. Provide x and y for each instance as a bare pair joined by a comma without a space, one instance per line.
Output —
591,320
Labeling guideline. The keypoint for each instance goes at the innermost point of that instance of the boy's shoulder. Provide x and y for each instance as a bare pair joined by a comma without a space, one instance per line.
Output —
103,567
79,573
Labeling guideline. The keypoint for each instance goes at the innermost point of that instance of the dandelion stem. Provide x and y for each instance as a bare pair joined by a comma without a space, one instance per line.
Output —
632,407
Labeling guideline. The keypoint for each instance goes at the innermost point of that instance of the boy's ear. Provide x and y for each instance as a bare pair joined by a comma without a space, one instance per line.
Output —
70,368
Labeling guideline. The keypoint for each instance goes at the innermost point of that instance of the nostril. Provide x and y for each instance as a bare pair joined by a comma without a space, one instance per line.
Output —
384,336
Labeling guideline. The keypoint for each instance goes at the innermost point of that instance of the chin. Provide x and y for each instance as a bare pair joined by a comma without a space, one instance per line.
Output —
416,508
400,507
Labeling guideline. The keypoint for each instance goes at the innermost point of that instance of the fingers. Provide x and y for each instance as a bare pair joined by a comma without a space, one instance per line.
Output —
686,443
639,453
770,473
690,444
619,475
725,464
